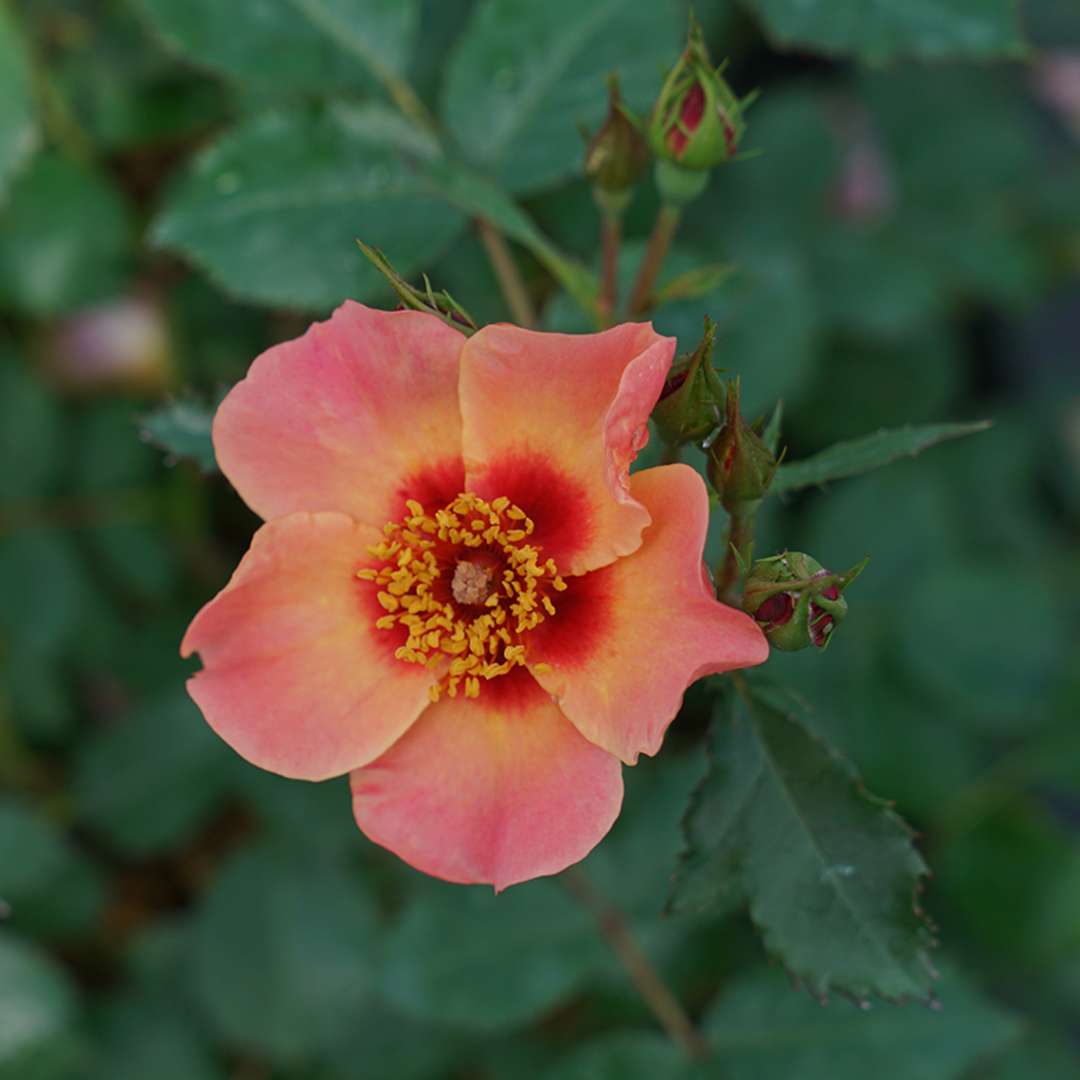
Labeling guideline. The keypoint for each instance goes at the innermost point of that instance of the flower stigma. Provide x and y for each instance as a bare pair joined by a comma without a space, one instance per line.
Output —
466,586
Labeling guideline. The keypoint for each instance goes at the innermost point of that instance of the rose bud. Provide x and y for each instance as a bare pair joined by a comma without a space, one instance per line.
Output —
740,466
796,601
692,401
697,121
616,155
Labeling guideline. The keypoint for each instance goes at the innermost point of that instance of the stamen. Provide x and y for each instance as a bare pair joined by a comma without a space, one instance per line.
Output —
502,579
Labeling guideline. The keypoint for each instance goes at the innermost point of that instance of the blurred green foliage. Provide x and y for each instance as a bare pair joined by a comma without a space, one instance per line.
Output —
908,250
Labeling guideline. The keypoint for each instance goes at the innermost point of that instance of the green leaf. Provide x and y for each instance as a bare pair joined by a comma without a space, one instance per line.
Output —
46,592
317,46
988,637
37,1014
30,430
182,429
18,130
525,75
65,238
870,452
1038,1055
625,1055
479,197
314,817
761,1030
149,781
830,872
145,1035
273,210
282,957
473,960
50,888
929,29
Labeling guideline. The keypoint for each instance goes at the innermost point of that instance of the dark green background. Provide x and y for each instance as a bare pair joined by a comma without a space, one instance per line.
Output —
909,250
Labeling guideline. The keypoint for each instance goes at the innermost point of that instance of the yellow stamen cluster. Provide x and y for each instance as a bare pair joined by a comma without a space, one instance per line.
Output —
497,588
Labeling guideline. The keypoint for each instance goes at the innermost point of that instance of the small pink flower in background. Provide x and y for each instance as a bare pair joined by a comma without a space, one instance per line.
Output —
460,596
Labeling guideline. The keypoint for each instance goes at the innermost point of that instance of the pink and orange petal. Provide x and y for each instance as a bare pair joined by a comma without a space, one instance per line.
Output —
636,634
295,677
348,417
553,421
496,791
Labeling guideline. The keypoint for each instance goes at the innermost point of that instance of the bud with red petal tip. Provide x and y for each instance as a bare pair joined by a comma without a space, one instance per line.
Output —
740,466
692,401
796,601
697,121
616,155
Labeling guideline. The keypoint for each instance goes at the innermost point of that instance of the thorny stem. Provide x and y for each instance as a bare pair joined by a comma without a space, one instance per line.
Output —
740,536
507,273
667,221
611,236
654,991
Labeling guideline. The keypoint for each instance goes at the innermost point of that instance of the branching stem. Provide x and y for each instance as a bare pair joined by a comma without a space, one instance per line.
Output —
740,538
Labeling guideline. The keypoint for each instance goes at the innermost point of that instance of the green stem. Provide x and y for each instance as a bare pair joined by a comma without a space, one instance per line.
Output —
740,539
507,273
610,237
667,221
656,994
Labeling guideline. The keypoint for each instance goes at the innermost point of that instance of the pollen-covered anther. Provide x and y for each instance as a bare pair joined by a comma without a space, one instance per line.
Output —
465,586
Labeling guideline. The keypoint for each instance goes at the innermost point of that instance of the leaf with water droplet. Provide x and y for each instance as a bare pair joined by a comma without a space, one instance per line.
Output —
830,872
525,75
309,186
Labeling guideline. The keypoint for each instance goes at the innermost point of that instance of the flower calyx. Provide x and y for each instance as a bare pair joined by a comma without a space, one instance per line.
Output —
440,304
692,402
741,465
615,155
796,601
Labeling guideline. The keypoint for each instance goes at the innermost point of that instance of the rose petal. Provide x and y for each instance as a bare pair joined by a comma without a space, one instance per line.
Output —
296,678
627,640
497,789
356,415
553,421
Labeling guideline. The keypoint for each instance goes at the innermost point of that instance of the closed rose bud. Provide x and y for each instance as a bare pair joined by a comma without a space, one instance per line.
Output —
692,401
796,601
698,120
740,466
616,155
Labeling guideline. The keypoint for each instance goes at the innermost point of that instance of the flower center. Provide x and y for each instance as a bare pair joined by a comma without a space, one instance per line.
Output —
465,585
472,582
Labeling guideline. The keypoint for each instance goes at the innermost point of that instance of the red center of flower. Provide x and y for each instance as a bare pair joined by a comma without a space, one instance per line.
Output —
466,586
